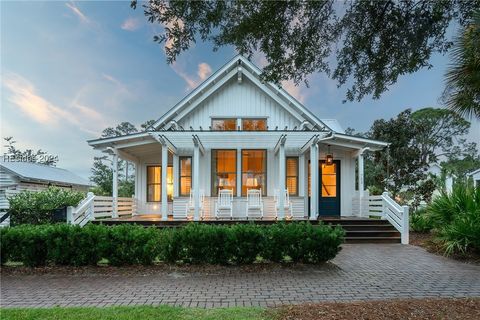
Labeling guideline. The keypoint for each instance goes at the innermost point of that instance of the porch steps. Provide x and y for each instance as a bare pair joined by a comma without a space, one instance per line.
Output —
367,231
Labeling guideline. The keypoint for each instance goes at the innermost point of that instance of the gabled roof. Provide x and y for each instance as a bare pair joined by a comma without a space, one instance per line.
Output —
29,171
239,66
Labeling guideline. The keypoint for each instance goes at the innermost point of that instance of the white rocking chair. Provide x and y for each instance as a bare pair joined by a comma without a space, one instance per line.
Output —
254,203
190,208
287,204
224,204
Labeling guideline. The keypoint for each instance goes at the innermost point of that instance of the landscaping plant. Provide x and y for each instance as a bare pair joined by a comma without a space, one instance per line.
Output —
62,244
28,207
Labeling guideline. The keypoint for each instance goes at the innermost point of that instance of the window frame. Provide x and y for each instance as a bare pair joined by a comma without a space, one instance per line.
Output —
149,184
264,190
223,119
254,118
296,158
214,172
180,176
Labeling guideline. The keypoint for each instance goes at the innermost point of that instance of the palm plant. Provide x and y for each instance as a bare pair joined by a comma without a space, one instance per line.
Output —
462,91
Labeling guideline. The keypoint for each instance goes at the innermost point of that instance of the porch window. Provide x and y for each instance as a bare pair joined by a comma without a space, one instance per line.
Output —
254,124
292,175
224,170
185,176
154,183
224,124
254,170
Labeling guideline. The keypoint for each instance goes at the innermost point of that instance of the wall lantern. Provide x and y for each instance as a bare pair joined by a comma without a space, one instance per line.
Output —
329,157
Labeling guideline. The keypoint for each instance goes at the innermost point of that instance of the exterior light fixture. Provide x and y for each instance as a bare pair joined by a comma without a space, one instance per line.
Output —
329,157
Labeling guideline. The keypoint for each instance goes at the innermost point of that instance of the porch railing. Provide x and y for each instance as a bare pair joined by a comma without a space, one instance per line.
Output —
385,207
99,207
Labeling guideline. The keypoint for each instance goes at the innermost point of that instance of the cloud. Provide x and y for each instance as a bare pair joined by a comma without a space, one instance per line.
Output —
131,24
297,92
203,72
72,6
25,97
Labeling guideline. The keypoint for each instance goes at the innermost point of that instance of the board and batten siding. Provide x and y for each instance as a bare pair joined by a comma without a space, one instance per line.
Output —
239,100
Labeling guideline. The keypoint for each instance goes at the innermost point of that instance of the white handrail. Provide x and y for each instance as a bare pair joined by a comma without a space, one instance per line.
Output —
397,215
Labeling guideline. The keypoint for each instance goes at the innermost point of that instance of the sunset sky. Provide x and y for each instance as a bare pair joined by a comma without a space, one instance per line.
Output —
71,69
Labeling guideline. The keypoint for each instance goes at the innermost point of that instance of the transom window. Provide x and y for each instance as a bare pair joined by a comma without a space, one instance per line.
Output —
224,124
254,124
254,170
185,176
224,170
292,175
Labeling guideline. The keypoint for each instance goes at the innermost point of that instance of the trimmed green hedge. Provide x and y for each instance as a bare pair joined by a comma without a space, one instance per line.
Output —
62,244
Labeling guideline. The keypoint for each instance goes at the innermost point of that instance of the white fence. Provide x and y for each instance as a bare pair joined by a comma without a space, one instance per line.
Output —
100,207
385,207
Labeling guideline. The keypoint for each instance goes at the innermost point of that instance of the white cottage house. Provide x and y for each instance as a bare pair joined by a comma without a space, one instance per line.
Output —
239,148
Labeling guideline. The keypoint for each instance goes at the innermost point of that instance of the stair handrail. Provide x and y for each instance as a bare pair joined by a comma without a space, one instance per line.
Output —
83,212
397,215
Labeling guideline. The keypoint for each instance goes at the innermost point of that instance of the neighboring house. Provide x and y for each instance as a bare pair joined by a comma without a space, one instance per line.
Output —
238,133
475,176
447,180
16,176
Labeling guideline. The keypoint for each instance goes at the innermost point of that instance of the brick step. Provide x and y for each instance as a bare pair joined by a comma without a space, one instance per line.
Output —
372,234
372,240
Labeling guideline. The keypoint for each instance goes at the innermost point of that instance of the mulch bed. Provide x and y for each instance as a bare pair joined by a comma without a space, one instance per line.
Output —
424,309
161,268
425,240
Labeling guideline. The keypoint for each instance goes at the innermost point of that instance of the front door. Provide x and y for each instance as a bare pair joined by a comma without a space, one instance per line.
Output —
329,195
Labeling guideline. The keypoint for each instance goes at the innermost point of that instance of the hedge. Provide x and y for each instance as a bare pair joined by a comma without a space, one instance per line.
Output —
62,244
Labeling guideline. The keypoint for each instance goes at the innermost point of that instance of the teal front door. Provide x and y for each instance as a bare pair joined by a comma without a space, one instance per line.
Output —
329,189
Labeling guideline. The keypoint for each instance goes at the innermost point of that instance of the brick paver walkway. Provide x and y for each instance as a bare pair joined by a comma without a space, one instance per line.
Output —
359,272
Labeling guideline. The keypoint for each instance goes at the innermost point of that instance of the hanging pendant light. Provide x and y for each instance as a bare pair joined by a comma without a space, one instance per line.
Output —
329,157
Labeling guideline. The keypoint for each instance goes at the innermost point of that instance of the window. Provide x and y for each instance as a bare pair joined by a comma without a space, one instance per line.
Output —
254,124
292,175
329,180
185,176
254,170
224,124
224,170
154,183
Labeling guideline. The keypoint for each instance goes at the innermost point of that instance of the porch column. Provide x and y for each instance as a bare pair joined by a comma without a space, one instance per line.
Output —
281,182
115,186
164,182
361,183
196,180
313,181
176,173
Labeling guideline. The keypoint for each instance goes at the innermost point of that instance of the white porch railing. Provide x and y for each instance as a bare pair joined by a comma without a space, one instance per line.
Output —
98,207
385,207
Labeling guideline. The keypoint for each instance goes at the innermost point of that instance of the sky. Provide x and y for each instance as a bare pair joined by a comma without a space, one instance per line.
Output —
71,69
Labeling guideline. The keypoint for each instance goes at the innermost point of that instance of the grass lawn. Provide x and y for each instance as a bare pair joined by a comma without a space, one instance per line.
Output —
134,313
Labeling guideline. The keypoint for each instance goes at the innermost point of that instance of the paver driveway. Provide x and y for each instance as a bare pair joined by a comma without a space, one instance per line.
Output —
359,272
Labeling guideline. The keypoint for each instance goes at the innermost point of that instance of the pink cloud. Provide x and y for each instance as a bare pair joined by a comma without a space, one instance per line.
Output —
203,72
83,18
131,24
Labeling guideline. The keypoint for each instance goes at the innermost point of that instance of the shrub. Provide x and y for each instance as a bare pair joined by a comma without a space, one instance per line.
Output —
420,221
63,244
456,218
30,207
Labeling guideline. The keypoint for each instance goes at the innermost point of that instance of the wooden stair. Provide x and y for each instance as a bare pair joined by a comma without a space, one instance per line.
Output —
367,231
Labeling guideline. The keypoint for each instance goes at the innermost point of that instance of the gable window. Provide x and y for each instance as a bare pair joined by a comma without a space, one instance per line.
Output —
185,176
154,183
254,124
254,170
292,175
224,170
224,124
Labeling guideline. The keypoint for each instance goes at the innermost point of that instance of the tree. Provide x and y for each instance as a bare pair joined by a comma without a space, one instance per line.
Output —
440,133
375,41
29,155
462,92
